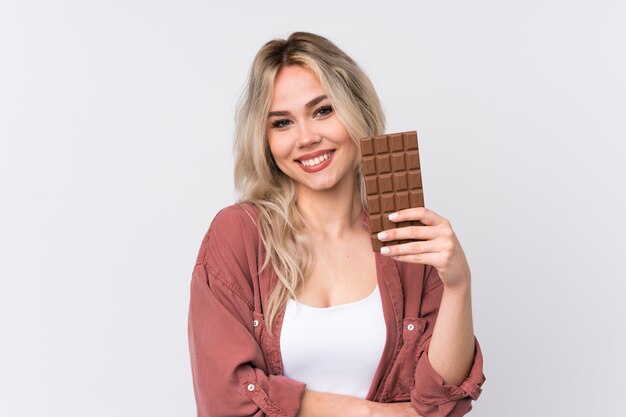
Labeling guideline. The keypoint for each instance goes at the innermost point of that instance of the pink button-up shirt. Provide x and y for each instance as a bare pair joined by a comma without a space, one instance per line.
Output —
236,363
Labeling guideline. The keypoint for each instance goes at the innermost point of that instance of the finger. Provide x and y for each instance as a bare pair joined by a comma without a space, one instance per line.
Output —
409,248
423,214
409,233
420,258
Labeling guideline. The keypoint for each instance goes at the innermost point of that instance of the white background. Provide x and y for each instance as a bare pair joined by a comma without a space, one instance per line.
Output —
116,121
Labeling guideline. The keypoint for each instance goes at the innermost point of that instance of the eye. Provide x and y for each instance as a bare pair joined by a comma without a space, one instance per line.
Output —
280,123
323,111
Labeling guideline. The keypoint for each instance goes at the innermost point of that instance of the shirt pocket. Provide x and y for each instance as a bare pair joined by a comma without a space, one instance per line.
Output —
401,378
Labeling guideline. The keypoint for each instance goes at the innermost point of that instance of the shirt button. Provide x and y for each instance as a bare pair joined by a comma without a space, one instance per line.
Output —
250,387
256,323
410,327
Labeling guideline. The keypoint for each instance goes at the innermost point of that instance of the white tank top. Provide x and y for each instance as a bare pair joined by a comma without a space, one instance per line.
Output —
335,349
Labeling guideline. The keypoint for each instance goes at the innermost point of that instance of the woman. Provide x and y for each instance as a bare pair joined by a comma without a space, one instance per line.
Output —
291,311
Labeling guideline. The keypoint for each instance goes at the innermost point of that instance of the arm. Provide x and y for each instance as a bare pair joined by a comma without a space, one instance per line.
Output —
228,367
448,390
445,386
226,361
451,351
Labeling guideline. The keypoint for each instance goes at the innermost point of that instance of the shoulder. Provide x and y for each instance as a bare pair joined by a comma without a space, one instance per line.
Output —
237,218
232,235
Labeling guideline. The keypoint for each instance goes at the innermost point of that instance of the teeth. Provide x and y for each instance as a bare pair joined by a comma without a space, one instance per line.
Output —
315,161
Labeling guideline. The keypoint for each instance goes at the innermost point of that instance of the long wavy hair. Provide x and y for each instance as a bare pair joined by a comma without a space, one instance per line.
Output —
258,179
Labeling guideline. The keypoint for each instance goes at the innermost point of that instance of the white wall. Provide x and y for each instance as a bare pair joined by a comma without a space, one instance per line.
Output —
116,120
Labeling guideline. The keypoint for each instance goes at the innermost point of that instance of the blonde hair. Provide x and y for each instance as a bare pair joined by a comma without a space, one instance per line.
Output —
257,177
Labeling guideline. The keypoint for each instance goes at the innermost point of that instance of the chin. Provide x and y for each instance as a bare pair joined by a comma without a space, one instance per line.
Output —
322,186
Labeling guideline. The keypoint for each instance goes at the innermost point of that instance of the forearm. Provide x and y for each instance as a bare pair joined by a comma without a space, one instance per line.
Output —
451,350
323,404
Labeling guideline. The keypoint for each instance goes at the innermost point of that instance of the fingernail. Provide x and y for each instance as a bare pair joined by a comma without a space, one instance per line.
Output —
382,235
384,250
393,216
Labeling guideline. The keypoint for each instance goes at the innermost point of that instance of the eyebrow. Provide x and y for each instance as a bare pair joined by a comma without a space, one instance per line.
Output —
307,105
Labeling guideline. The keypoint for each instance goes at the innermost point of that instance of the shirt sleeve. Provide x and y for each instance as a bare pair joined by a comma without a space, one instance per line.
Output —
229,371
430,396
226,361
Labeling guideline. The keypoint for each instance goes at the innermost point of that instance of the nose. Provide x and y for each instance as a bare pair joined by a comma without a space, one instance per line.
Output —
307,135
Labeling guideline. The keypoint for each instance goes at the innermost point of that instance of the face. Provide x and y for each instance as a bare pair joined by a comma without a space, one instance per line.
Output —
308,141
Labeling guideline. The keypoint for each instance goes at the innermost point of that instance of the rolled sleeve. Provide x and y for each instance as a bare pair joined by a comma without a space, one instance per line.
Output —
431,397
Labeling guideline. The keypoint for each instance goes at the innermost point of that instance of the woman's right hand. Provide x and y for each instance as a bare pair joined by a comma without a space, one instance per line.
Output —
402,409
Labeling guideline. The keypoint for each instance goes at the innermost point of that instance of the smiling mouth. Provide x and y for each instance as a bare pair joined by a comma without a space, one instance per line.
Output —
315,161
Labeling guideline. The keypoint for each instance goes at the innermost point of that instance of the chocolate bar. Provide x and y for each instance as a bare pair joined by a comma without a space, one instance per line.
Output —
393,181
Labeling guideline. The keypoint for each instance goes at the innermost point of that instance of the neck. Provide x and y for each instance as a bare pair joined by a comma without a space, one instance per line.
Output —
332,214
